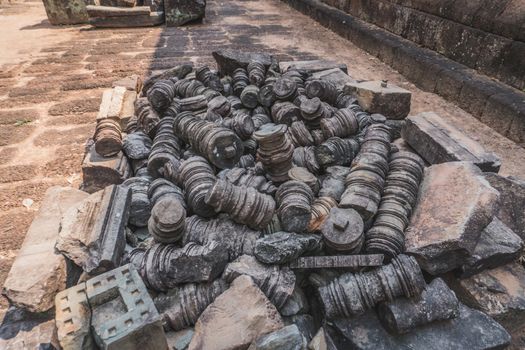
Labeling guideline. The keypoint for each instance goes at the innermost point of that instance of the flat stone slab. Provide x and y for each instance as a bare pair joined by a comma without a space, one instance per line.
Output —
38,272
497,245
455,203
472,330
312,66
111,11
236,318
438,142
141,20
335,75
499,292
512,201
374,97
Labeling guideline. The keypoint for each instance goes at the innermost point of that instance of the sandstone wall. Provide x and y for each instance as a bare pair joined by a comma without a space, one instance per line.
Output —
486,35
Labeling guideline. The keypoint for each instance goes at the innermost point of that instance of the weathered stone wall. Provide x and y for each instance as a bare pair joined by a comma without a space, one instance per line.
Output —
488,36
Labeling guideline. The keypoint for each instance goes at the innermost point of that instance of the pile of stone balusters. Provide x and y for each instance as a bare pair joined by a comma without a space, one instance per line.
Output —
275,206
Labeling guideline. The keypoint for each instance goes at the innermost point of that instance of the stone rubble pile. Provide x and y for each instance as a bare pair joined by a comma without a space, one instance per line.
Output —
261,206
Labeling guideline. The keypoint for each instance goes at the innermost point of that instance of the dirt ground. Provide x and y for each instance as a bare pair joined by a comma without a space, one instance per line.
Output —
52,78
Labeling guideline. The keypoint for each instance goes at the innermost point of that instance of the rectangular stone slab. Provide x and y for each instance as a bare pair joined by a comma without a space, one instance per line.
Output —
342,261
38,272
110,11
472,330
312,66
455,203
381,97
438,142
153,19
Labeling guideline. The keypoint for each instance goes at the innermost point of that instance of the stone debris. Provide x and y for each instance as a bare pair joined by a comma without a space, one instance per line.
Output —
436,303
286,338
472,329
92,233
497,245
499,292
282,247
181,307
262,201
99,172
236,318
455,204
44,271
437,141
381,97
512,201
179,12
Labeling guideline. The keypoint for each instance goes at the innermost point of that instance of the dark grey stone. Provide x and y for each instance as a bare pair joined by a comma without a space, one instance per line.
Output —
137,145
436,303
297,304
287,338
472,330
282,247
497,245
512,201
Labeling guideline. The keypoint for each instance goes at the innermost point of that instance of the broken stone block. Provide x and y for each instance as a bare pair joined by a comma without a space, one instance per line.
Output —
181,307
512,201
436,303
92,233
438,142
179,340
278,283
66,12
322,341
179,12
236,318
497,246
312,66
471,330
304,322
296,304
499,292
165,266
381,97
338,261
137,145
335,75
229,60
286,338
72,317
282,247
99,172
237,239
455,203
40,336
114,309
38,273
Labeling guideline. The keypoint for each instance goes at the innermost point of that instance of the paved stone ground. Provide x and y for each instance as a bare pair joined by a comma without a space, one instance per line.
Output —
48,103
